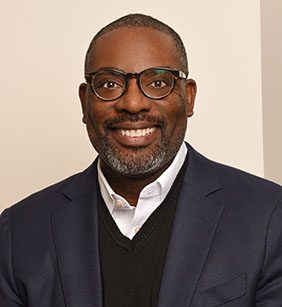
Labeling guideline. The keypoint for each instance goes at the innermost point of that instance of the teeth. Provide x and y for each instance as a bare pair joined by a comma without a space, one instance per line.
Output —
137,132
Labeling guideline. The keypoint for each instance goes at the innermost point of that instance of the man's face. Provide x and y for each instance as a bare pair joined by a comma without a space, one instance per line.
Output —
135,135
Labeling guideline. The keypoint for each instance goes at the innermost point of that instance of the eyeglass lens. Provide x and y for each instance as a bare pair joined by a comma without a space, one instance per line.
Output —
155,83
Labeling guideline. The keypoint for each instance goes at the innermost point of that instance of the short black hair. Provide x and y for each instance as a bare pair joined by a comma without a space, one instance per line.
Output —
140,20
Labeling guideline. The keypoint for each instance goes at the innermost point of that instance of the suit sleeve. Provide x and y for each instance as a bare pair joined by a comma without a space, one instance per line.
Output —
269,292
8,292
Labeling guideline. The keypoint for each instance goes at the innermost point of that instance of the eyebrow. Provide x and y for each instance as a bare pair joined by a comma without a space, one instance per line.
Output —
107,68
119,69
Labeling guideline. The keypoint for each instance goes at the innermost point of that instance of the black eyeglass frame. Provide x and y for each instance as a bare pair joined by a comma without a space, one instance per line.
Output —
178,74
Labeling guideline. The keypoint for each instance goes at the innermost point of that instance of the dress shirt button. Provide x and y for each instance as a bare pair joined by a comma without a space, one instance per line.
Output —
136,229
118,203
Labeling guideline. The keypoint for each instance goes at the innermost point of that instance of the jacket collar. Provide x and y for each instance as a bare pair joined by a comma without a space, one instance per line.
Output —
197,215
75,228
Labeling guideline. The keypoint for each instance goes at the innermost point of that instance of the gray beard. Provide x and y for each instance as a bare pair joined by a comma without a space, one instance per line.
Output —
136,163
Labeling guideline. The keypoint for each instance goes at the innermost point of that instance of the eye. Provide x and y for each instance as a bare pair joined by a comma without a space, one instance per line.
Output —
108,80
110,84
156,80
159,83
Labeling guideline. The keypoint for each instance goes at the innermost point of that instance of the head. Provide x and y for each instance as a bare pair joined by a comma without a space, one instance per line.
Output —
140,20
137,135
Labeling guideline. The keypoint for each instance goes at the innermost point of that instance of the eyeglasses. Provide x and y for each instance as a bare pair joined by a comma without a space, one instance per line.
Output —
155,83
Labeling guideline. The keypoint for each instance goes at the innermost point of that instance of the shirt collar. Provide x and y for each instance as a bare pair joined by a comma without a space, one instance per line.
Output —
157,189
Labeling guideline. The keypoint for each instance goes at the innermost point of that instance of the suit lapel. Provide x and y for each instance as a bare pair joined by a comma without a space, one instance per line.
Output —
75,226
195,222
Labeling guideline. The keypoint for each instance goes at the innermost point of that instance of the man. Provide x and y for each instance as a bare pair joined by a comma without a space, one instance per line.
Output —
151,222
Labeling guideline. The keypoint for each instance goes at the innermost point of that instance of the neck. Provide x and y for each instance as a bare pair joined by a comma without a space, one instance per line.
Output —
129,187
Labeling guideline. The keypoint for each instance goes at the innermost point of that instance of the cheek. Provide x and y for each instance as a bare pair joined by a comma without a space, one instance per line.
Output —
175,113
181,100
95,117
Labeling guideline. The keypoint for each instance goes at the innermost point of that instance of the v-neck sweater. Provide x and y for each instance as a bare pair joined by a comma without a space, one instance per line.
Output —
132,269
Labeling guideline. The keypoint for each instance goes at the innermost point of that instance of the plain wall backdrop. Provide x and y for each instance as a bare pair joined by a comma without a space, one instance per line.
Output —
43,44
271,27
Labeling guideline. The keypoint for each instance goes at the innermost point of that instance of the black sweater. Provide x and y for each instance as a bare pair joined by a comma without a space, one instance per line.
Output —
132,269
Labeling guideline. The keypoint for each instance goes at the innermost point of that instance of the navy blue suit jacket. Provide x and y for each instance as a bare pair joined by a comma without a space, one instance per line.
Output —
225,246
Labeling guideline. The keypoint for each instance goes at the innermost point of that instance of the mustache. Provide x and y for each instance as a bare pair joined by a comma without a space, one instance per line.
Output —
125,118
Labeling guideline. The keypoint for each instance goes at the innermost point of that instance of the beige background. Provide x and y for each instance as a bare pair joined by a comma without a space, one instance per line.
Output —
43,44
271,27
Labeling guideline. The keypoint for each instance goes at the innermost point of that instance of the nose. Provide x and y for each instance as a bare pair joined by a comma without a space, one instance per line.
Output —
133,101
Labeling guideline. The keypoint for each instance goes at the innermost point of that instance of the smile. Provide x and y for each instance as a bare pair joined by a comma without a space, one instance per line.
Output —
135,133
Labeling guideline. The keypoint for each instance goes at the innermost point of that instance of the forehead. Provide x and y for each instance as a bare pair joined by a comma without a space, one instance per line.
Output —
133,50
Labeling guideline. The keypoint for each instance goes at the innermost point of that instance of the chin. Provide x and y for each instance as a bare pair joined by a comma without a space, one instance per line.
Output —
135,164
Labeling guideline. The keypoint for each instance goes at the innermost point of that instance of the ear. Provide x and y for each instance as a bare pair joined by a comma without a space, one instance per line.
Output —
191,90
82,95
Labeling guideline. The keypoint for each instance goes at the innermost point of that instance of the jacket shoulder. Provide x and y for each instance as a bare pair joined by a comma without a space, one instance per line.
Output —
240,180
51,196
236,184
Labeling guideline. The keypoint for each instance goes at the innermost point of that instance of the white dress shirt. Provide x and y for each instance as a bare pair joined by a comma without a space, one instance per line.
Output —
130,219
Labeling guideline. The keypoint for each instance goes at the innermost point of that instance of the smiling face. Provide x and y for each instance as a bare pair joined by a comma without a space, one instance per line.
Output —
135,135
